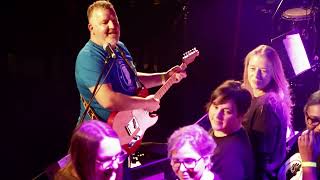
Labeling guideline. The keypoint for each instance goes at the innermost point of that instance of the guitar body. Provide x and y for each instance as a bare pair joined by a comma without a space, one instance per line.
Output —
131,125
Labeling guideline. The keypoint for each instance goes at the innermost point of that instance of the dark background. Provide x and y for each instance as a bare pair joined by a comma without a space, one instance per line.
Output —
43,39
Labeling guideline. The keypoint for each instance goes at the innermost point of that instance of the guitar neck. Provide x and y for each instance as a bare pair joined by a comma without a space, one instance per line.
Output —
168,84
164,88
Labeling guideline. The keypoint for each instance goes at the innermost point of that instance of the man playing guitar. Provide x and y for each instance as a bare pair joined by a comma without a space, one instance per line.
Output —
104,55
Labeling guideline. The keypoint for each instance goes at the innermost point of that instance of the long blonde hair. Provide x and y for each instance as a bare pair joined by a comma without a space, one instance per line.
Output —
279,84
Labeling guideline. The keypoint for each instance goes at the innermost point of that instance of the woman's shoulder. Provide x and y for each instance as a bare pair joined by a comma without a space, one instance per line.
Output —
275,106
66,172
271,98
268,105
271,101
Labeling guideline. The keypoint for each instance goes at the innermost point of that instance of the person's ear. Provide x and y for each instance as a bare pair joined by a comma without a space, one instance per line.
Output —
207,160
305,119
90,27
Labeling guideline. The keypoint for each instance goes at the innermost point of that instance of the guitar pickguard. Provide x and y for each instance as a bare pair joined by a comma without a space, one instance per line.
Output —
132,126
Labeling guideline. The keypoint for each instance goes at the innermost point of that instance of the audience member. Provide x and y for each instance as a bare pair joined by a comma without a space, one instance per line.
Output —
269,115
95,153
233,156
190,149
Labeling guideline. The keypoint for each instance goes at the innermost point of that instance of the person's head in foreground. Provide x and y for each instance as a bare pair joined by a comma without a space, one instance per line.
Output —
190,149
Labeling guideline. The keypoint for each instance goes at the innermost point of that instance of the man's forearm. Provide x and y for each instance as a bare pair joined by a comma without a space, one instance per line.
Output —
150,80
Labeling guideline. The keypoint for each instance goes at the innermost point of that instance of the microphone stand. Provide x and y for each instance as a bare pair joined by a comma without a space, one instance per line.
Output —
110,56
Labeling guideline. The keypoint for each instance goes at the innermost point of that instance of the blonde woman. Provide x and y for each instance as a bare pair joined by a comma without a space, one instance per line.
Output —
269,115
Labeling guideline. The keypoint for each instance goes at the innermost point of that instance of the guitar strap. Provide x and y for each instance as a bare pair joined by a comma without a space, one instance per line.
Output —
129,63
92,114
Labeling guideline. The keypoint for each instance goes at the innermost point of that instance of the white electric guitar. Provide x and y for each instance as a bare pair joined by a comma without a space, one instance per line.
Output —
131,125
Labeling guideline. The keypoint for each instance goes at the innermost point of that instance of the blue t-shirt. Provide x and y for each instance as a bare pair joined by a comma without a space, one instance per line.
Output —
89,65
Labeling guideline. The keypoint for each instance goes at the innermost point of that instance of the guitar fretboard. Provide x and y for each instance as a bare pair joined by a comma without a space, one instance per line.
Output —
168,84
165,88
187,59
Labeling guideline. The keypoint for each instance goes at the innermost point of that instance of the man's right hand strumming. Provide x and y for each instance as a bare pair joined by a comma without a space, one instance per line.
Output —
152,104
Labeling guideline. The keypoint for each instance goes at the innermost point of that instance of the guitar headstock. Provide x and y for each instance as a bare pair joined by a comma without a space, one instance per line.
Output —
189,56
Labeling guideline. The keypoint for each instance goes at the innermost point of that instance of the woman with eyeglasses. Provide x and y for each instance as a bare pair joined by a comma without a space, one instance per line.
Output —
190,149
269,115
96,153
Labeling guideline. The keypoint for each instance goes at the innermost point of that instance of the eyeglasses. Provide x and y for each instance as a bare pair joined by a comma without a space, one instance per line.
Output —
188,163
314,121
107,162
